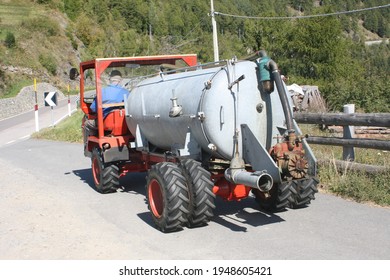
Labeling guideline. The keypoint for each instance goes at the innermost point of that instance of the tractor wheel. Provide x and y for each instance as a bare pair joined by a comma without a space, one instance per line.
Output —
279,197
105,176
303,192
202,198
167,196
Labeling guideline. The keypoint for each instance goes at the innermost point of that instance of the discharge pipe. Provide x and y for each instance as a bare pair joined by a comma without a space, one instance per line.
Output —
258,180
237,174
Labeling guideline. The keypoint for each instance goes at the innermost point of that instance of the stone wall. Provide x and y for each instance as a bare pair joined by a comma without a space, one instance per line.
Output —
25,100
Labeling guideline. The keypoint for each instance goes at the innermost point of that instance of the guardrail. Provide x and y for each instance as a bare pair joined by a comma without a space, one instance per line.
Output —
348,120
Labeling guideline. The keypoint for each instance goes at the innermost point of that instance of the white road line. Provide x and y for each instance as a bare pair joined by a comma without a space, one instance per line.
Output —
19,139
64,117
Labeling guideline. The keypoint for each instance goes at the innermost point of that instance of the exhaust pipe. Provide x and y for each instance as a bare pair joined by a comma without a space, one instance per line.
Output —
260,180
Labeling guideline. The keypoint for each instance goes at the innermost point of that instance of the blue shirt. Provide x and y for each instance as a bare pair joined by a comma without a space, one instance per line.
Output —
110,94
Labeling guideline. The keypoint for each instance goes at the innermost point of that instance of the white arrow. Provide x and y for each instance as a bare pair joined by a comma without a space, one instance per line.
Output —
49,98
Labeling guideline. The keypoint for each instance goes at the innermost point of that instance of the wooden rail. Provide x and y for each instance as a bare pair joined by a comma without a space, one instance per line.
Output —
360,143
348,142
377,119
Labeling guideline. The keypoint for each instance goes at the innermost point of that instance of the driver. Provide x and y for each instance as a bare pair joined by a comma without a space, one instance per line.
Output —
113,93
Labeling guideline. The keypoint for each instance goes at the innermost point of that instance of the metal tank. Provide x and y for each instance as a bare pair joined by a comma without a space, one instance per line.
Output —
205,109
230,112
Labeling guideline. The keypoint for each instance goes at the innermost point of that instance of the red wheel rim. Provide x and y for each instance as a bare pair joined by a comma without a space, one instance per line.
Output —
96,170
156,198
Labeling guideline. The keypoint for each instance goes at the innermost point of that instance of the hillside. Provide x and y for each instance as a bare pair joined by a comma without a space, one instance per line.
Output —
41,49
43,39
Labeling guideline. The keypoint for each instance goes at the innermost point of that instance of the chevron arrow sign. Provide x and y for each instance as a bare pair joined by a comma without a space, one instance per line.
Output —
50,98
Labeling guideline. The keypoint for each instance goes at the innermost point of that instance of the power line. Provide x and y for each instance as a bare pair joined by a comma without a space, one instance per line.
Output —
308,16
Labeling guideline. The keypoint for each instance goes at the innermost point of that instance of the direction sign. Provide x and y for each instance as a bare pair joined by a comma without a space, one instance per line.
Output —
50,98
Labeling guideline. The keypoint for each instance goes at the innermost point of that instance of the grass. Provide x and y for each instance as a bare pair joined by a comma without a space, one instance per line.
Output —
358,186
361,187
68,130
13,13
15,88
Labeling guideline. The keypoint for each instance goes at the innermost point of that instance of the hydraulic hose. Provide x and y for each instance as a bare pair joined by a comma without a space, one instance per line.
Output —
267,65
282,94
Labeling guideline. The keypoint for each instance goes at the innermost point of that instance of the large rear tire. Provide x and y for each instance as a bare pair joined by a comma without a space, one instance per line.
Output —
105,176
292,194
167,196
202,198
279,198
303,192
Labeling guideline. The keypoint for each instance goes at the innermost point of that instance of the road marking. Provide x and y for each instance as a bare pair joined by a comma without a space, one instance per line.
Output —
16,140
64,117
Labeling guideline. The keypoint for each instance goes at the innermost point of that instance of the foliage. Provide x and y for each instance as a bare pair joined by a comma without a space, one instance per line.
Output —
48,61
15,85
45,26
324,51
355,185
72,8
358,186
10,41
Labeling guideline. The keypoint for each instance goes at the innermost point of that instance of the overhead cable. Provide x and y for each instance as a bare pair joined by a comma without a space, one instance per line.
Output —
307,16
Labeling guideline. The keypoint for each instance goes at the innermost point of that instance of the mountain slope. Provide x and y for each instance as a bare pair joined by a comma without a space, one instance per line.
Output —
43,39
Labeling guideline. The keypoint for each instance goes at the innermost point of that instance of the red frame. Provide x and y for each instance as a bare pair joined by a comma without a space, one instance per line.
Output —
100,65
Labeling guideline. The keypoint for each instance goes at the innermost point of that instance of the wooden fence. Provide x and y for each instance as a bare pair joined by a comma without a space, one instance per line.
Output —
348,120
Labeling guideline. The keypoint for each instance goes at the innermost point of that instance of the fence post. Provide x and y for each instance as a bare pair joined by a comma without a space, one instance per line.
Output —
349,133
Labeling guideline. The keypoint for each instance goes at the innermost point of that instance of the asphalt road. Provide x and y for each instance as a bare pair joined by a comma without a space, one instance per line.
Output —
49,210
20,127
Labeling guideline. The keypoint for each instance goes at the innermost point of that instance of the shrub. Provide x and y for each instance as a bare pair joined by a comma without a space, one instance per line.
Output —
10,41
49,62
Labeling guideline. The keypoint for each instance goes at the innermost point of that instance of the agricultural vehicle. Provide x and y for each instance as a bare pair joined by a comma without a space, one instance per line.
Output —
199,131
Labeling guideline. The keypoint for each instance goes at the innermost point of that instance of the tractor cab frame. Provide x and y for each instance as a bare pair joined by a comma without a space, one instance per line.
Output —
110,146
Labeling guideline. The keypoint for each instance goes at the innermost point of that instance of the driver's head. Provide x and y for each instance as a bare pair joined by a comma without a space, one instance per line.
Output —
115,77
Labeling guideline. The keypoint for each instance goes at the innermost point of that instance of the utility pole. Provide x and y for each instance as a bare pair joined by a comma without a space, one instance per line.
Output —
215,38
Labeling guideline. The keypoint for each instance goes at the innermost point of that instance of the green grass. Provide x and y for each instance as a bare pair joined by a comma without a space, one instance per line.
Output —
361,187
13,13
68,130
16,87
